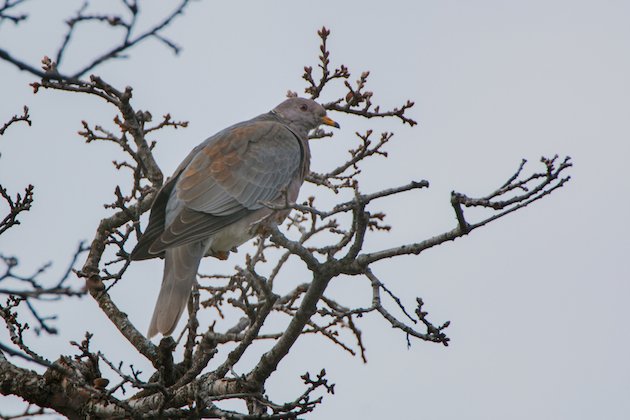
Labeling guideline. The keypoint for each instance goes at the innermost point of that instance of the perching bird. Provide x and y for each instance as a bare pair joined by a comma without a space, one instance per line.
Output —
216,198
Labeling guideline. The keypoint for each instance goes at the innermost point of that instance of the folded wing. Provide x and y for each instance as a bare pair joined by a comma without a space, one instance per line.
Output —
231,176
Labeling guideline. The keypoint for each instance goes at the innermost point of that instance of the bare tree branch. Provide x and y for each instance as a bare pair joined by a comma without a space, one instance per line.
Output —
24,117
20,204
34,289
245,303
14,18
129,40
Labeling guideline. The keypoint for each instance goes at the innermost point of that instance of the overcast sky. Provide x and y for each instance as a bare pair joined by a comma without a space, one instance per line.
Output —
537,301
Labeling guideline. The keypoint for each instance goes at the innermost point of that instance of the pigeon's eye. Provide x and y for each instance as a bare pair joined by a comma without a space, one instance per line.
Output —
303,107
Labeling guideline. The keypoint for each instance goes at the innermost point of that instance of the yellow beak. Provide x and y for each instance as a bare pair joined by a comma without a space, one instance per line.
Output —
327,121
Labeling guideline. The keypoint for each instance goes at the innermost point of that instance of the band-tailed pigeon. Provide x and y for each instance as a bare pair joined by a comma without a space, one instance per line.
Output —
216,198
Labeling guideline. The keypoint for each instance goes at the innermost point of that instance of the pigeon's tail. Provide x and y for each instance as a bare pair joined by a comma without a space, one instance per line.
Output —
180,270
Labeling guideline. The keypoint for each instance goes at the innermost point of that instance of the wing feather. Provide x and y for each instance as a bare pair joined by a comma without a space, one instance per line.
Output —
228,178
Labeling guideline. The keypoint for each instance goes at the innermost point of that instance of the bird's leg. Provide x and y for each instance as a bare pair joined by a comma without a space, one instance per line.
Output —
262,229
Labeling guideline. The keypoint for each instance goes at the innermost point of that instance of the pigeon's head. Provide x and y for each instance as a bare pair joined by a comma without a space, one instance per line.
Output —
303,114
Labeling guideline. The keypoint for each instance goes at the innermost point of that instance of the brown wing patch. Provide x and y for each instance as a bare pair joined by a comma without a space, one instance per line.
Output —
240,167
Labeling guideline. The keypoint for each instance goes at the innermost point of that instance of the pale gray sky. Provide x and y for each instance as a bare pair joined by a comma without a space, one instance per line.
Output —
538,300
